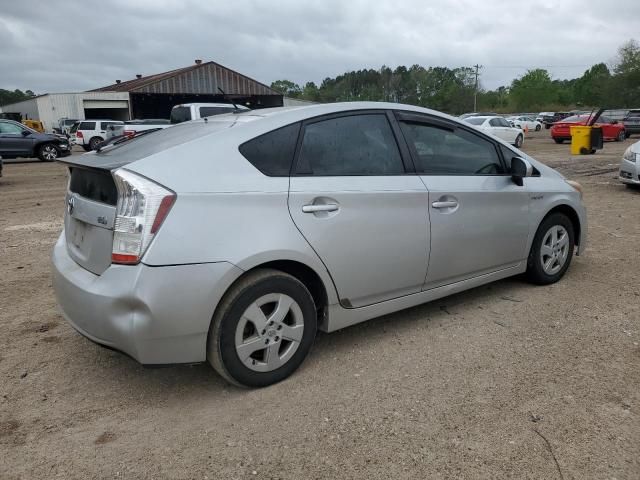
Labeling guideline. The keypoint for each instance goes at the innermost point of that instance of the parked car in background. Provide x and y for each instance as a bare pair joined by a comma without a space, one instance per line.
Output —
553,117
18,140
630,166
631,122
611,129
90,133
541,115
499,127
477,114
132,127
263,234
64,125
193,111
528,122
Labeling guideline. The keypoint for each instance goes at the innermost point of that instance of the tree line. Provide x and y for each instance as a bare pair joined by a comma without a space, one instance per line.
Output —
7,96
452,89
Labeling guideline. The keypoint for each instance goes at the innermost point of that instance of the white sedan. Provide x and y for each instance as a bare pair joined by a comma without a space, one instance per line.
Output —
528,122
498,127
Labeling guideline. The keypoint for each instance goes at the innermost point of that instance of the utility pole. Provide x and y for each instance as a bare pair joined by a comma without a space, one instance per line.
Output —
475,90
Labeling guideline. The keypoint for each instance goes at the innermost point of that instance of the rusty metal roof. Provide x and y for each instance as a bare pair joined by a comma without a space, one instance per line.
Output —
203,78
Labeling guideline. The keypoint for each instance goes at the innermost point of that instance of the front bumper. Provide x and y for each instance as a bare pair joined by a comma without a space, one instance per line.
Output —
629,172
157,315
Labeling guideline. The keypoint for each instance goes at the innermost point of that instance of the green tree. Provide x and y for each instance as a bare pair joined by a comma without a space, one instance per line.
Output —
7,96
287,88
625,86
533,90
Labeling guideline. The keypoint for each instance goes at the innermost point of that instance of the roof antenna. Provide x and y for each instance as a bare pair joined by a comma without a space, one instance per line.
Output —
227,97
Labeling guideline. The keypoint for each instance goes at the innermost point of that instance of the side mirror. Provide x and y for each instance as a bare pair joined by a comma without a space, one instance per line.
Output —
520,168
26,133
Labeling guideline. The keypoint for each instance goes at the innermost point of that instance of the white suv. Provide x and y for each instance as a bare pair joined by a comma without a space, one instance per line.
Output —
90,133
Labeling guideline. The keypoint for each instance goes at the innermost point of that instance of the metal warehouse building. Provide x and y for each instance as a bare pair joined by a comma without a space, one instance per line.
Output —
150,96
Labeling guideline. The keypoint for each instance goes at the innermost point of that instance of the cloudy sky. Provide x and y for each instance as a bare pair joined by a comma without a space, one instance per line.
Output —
68,45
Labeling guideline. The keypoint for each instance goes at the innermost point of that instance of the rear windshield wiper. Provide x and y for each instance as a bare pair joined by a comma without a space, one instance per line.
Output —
124,138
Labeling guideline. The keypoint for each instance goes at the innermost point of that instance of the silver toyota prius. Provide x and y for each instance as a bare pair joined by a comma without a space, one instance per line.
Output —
233,239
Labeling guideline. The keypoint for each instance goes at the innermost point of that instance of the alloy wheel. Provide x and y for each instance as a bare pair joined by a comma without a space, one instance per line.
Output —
49,152
269,332
554,249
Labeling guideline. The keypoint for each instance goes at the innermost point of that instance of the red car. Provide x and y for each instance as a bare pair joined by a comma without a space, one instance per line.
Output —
611,129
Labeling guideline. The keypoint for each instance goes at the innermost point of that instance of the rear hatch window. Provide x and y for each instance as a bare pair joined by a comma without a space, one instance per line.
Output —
180,114
96,185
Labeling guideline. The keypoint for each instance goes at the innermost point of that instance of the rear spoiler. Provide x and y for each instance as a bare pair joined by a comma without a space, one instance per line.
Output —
93,161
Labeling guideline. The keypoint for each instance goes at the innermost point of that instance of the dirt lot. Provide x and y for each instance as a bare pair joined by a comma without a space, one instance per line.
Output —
504,381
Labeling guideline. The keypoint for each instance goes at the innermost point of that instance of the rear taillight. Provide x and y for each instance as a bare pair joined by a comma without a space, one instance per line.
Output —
79,134
142,207
129,133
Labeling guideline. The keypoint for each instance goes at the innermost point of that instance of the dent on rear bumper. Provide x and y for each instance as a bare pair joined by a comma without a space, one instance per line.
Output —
157,315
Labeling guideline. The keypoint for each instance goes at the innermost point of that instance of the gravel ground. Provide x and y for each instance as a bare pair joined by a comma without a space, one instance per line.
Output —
503,381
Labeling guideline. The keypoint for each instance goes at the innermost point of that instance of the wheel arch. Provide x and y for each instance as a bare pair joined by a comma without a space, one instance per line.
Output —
570,212
323,294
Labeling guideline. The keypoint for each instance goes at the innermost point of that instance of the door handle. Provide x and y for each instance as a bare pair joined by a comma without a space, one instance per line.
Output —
446,204
329,207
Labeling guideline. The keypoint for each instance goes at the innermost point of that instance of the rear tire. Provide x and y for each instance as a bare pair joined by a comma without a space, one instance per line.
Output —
47,152
94,142
558,140
262,330
551,253
538,128
622,136
519,141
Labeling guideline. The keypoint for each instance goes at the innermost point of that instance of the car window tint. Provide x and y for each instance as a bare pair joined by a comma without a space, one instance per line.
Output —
494,122
180,114
272,153
87,126
445,152
209,111
107,124
10,128
351,145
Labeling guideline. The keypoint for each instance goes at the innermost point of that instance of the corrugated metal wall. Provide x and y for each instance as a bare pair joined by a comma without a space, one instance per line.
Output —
207,80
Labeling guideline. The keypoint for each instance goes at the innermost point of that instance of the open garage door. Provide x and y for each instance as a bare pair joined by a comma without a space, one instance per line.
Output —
108,109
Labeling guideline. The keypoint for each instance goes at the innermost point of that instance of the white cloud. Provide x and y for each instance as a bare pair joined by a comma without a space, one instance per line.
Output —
78,45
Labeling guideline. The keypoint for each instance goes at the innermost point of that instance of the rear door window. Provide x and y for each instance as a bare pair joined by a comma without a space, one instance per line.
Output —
440,151
87,126
272,153
350,145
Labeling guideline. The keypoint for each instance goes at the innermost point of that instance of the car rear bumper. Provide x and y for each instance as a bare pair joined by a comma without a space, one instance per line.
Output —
156,315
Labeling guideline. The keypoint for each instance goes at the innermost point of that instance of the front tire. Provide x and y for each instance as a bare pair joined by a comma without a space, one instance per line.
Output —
622,136
48,152
551,251
538,128
262,330
558,140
